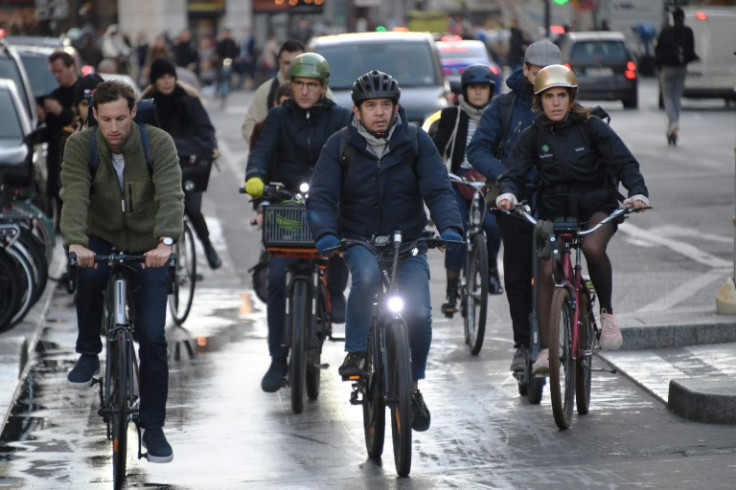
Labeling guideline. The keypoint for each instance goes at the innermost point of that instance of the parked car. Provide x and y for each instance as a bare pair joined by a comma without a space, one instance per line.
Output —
410,57
12,67
604,66
458,54
22,155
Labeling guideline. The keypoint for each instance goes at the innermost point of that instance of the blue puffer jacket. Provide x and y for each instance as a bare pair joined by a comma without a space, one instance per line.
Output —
482,148
292,139
368,196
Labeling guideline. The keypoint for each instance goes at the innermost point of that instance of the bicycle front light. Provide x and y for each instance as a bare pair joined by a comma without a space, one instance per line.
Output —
395,304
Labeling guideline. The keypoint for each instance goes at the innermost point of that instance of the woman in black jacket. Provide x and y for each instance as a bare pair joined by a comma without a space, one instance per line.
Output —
456,128
182,115
580,161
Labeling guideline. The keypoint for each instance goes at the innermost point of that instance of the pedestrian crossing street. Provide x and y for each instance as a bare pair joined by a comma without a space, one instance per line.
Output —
654,369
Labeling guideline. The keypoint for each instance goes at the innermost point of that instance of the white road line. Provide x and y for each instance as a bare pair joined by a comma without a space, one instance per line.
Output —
230,160
682,293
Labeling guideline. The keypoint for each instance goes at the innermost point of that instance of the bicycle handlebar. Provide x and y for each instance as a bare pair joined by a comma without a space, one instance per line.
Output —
116,258
477,185
523,210
383,245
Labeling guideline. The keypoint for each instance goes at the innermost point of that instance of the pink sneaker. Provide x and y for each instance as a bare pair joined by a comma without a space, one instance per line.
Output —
541,365
611,338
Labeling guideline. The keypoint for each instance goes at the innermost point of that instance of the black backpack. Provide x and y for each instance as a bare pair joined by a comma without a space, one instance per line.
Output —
145,114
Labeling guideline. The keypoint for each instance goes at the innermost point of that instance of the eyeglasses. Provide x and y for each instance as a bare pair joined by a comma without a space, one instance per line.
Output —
311,86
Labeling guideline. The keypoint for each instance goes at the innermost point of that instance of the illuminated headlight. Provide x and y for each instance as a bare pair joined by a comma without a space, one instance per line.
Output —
395,304
303,188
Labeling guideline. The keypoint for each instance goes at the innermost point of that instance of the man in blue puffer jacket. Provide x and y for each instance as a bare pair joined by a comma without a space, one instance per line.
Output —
382,188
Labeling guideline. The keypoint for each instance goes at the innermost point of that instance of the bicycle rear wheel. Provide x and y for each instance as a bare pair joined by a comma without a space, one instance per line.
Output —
584,362
180,301
475,293
374,403
561,364
119,406
300,316
10,289
398,367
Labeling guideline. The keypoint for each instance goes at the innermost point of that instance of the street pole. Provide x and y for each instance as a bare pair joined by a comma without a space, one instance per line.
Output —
546,18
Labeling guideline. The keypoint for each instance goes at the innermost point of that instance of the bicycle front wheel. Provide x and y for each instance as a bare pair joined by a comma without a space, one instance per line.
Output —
185,277
316,339
584,362
398,368
300,316
374,403
119,405
475,293
561,364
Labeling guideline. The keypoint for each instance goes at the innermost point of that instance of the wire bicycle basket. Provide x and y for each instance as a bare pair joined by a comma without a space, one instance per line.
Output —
286,225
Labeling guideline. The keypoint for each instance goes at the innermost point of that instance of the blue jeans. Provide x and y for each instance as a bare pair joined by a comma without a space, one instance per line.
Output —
149,288
414,286
454,259
337,280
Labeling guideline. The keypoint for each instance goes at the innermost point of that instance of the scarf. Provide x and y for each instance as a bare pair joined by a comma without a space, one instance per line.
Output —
473,112
377,146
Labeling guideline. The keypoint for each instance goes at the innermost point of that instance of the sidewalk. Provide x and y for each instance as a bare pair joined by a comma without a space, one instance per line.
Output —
682,357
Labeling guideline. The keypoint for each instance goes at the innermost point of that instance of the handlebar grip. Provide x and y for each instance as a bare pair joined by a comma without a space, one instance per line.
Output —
171,282
71,279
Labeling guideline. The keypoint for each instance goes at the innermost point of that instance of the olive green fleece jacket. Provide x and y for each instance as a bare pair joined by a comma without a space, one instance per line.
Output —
152,205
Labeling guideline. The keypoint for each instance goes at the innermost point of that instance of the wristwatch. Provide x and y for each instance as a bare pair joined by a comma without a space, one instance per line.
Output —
167,240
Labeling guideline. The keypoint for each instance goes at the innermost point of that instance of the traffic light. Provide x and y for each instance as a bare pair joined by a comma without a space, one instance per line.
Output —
561,2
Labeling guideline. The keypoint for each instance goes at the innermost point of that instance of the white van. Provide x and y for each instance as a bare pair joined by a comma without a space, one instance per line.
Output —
714,75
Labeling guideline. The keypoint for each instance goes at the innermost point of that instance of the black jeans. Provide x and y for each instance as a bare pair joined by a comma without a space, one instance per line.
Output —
517,273
193,209
150,291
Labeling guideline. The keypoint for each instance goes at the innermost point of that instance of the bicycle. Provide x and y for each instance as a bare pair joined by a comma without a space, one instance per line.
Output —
185,276
474,280
529,385
387,379
308,322
574,335
118,390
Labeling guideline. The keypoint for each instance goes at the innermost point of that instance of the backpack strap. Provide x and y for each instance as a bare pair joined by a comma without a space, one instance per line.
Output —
94,157
507,112
272,92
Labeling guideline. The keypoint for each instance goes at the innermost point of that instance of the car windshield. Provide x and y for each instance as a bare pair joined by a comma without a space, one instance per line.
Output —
39,74
598,51
10,127
410,63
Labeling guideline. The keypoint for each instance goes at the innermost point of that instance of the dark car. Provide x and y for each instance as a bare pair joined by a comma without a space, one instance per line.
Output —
12,67
22,157
604,67
410,57
457,54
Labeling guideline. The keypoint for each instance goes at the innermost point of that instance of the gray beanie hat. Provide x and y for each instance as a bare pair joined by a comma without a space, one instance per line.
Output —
543,53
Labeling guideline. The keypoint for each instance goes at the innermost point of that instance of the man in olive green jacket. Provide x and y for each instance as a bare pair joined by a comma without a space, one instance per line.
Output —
125,206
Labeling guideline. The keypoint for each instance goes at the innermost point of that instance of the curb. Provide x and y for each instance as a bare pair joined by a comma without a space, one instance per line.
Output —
704,400
664,336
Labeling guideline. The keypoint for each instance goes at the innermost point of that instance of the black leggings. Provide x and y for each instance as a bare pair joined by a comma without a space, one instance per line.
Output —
193,209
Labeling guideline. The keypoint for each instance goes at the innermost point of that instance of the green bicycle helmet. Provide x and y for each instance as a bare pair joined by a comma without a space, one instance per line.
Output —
310,65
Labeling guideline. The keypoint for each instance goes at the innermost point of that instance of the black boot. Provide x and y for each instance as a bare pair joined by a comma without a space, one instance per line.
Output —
450,307
212,258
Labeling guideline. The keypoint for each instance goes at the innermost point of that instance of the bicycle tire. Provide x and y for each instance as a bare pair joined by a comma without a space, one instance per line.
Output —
27,283
10,290
299,317
33,248
185,277
374,402
584,362
119,408
41,226
475,293
316,340
398,367
535,390
561,364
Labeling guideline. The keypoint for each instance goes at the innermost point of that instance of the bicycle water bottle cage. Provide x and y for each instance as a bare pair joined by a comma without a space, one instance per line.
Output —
565,225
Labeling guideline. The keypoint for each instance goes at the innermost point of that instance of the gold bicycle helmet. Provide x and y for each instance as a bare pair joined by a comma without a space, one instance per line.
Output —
555,76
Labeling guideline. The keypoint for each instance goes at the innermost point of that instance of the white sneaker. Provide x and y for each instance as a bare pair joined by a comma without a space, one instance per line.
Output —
541,365
611,337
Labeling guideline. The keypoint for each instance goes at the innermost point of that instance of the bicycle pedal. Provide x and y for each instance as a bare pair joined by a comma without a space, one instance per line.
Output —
323,366
352,377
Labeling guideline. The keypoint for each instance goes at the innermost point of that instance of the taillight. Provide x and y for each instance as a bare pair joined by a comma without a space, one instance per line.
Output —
446,71
630,72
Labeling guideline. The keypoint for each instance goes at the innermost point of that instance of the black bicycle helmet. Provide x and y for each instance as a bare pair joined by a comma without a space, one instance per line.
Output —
477,74
375,85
